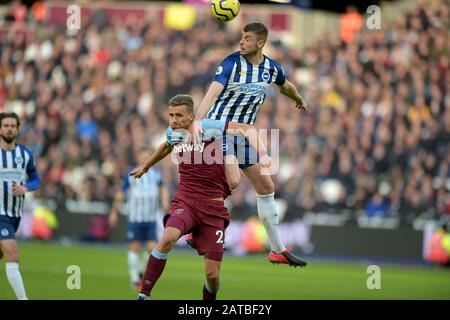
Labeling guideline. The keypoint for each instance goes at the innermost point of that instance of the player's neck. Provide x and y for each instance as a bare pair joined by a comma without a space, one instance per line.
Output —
7,146
256,58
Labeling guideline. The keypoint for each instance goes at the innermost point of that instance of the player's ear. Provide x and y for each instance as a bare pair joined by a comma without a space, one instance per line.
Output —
261,44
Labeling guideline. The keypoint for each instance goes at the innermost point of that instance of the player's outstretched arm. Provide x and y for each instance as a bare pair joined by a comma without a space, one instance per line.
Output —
211,95
161,152
290,91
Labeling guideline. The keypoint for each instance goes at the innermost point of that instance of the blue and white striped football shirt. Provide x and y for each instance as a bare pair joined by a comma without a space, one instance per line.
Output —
16,165
143,195
245,87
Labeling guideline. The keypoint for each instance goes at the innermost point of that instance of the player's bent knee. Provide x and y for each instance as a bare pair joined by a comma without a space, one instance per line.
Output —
167,244
168,240
213,274
264,187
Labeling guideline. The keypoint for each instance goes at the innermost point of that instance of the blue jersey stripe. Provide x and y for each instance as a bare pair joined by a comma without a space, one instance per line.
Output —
237,75
255,111
14,164
244,110
248,78
5,185
221,103
213,109
222,107
236,104
24,165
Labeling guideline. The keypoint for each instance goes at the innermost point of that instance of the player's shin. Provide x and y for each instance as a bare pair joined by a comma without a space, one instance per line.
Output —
155,267
267,212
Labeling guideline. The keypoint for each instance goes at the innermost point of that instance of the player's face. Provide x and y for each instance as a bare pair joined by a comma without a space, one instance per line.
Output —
8,129
180,117
250,44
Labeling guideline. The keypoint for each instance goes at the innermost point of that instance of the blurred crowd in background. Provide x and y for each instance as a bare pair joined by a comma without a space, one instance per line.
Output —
374,142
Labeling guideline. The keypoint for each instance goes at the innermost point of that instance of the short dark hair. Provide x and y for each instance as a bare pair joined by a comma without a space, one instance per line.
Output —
259,28
182,99
4,115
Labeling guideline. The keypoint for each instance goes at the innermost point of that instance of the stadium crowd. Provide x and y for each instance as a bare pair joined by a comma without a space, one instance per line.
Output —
378,127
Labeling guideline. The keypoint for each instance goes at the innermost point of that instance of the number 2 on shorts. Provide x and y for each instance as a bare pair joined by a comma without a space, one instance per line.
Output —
220,234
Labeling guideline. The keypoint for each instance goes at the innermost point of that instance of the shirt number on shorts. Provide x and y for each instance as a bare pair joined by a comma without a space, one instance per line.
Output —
220,234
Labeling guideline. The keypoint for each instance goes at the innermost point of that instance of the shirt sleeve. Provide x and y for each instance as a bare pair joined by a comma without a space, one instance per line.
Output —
223,73
213,128
34,181
281,76
175,136
31,165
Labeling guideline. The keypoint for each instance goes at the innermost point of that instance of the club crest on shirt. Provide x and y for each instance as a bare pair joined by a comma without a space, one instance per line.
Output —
265,76
19,160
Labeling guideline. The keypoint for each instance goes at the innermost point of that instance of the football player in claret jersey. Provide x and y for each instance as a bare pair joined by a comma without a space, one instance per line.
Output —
237,92
198,206
18,176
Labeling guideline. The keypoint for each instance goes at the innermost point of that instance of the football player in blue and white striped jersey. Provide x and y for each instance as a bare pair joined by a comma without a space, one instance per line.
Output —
236,94
18,176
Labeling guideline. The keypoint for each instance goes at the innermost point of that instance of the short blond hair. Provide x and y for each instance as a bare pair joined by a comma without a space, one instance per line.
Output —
182,99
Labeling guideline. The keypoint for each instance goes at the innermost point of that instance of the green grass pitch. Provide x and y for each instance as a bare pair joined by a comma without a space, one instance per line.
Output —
104,275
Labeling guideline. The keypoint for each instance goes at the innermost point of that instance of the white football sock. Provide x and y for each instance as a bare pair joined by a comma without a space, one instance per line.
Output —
267,212
144,261
133,266
15,280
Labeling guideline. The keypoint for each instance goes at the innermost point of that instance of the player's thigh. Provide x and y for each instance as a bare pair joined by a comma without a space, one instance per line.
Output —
240,147
210,240
180,216
169,237
232,172
263,184
10,250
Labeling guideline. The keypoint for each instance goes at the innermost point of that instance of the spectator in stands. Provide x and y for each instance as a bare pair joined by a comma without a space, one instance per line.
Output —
381,106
